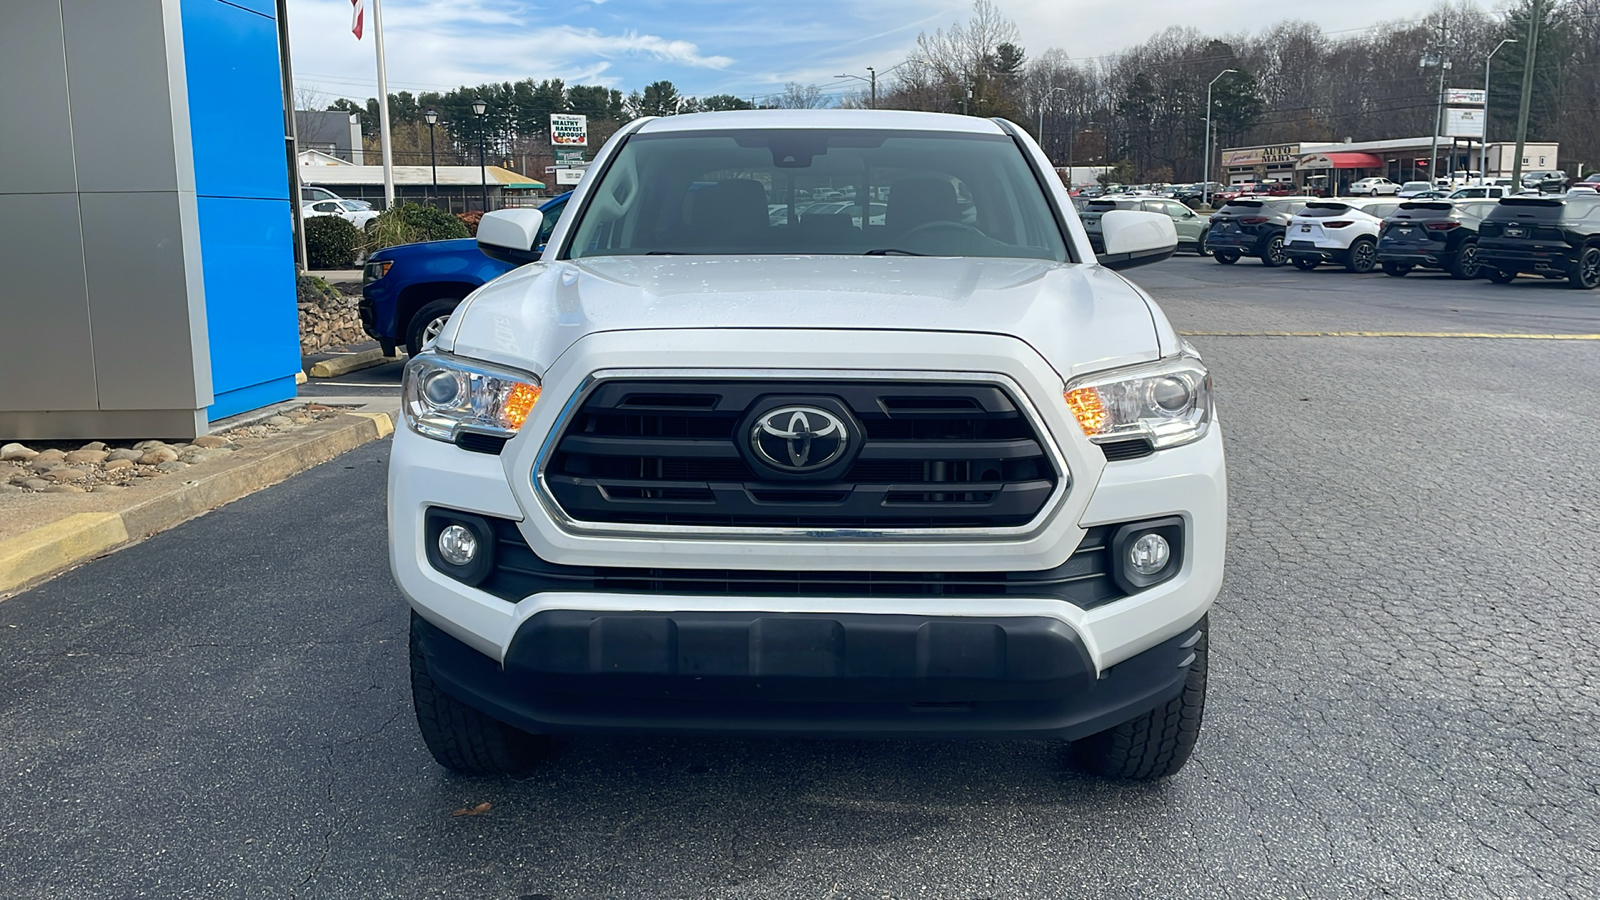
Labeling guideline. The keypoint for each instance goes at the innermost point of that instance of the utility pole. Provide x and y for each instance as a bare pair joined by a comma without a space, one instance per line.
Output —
1528,61
1483,146
1437,59
1205,176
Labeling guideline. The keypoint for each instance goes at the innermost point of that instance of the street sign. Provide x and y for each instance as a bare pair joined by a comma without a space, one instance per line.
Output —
569,176
567,156
567,130
1465,97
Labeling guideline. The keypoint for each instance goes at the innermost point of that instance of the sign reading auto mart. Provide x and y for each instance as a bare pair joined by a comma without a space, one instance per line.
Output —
1282,153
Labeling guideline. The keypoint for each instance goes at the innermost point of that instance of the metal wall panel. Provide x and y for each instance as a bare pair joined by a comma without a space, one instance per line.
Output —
46,353
33,67
146,303
130,121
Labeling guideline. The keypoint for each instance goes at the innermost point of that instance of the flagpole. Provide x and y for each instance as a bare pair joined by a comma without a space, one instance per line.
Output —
383,109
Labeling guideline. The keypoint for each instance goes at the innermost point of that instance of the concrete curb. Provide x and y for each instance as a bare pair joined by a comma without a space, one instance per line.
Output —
344,365
44,551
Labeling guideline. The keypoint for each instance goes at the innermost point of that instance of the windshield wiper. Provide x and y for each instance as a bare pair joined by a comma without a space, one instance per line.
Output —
664,253
891,251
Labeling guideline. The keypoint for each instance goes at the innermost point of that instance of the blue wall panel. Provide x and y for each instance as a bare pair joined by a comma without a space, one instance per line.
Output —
242,180
251,311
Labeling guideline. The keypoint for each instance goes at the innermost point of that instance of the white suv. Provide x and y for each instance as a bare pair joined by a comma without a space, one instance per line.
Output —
691,471
1344,232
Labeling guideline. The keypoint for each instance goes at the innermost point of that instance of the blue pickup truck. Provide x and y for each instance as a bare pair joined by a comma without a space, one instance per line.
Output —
408,292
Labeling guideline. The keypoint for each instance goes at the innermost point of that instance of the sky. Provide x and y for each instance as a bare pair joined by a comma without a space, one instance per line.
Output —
741,47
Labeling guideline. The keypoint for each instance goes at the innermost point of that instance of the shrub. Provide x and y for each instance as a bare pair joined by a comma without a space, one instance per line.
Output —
331,243
409,223
471,219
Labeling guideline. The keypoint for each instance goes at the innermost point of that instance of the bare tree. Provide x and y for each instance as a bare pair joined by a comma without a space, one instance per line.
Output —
800,96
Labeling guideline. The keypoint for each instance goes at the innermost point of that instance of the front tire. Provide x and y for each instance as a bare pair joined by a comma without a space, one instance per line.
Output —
1398,270
1200,246
461,738
1272,256
1226,257
1158,743
428,321
1586,274
1363,256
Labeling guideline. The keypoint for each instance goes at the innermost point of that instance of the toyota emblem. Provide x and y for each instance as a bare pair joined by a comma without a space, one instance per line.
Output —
798,439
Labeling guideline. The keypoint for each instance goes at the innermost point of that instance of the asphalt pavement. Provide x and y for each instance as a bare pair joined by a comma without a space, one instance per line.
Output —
1405,699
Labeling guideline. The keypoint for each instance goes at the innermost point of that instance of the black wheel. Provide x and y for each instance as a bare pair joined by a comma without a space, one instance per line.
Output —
428,322
1498,276
1272,255
1363,256
1466,262
1398,270
1226,257
461,738
1200,247
1304,263
1586,274
1158,743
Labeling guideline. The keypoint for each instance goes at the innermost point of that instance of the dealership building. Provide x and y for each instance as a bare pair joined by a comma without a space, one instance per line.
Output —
1399,159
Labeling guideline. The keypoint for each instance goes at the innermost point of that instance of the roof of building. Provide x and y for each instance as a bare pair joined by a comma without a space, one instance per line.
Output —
448,175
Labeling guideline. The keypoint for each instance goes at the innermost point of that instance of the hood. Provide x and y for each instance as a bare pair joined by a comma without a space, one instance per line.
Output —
1080,318
428,248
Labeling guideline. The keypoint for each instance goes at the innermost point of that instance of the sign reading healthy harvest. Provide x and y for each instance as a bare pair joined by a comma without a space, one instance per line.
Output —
568,130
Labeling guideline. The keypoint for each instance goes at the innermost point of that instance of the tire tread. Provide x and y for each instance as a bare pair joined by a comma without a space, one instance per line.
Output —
1158,743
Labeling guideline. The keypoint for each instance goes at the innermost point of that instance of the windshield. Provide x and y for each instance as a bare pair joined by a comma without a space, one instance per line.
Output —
790,191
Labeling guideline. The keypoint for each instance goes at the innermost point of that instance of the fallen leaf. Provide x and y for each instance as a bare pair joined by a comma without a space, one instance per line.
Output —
478,810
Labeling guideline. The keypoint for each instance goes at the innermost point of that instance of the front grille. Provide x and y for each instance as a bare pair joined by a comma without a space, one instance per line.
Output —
1083,580
667,452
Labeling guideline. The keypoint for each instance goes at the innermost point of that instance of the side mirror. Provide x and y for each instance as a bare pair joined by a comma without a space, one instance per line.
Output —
1134,238
510,235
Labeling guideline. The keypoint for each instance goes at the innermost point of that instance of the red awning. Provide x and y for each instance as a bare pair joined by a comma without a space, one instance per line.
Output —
1345,160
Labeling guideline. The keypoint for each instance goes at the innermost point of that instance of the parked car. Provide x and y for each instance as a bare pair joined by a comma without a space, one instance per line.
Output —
1343,232
1591,183
1479,192
348,210
1433,234
1252,226
1190,225
311,194
1373,187
1412,188
1277,189
625,495
1553,236
1546,181
409,291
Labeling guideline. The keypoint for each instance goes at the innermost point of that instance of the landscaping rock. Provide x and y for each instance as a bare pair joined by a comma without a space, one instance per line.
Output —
36,484
106,488
117,465
41,466
17,453
210,441
66,474
94,445
123,454
64,489
50,456
172,465
157,455
10,489
280,421
146,445
92,457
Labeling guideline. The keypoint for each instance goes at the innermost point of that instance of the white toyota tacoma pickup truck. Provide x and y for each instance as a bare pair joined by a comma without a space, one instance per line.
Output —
714,461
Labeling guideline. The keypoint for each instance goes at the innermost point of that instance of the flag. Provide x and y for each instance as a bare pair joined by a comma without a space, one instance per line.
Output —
357,7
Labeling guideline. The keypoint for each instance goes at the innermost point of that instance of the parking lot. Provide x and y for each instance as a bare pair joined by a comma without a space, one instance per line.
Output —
1405,699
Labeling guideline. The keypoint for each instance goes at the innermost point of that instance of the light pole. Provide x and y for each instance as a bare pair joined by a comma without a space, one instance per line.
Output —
479,107
1043,102
1483,149
871,80
432,118
1205,176
1436,58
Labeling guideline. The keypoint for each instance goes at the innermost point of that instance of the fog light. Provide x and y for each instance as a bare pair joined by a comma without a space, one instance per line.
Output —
459,547
1148,554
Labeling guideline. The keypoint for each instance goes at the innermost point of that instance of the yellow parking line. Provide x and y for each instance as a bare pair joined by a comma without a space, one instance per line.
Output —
1479,335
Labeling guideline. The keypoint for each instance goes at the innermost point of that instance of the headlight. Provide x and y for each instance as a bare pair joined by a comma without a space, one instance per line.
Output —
375,269
444,396
1167,403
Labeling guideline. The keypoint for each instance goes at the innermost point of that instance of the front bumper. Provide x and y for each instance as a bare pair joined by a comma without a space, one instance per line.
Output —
824,675
1187,482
